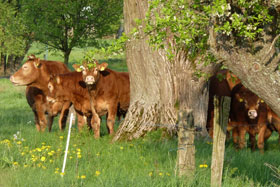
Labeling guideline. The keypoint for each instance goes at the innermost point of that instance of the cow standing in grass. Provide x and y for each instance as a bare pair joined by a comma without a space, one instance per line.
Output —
35,74
109,92
249,114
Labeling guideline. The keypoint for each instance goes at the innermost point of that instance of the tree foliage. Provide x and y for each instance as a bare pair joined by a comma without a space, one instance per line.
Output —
64,24
12,30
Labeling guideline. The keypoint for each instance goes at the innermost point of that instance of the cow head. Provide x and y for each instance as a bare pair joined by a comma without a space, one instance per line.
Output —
91,71
250,101
28,73
55,89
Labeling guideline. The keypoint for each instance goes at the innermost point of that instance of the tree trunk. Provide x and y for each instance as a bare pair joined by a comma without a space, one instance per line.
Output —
66,56
155,83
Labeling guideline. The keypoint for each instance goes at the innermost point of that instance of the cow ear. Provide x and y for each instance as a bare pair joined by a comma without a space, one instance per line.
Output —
239,98
57,78
37,63
103,66
31,57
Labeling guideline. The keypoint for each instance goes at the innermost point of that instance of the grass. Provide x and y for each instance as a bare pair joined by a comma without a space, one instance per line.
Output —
29,158
32,158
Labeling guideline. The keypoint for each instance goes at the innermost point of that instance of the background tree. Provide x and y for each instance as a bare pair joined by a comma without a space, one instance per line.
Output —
14,37
64,24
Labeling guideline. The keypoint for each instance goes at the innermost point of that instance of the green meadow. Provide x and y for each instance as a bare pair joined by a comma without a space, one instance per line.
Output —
30,158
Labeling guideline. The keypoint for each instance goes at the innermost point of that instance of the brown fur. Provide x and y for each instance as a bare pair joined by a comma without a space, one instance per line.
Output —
35,74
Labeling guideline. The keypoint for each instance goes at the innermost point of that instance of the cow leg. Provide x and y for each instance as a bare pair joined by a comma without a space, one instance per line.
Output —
111,119
41,117
252,138
50,121
63,115
242,134
235,136
261,138
37,123
95,123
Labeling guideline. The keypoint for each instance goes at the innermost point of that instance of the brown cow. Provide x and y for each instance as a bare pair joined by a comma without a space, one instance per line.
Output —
248,114
35,74
109,93
274,121
220,85
69,87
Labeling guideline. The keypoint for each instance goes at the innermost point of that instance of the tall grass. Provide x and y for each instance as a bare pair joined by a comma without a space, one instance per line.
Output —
29,158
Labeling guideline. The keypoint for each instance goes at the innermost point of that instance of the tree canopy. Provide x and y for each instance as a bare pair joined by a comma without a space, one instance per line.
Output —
64,24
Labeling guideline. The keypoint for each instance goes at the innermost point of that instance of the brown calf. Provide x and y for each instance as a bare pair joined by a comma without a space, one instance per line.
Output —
35,74
248,114
109,93
274,121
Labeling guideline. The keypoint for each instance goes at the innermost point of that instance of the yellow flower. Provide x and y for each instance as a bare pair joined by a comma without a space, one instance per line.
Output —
43,158
97,173
160,174
38,149
70,157
56,172
97,154
44,167
62,174
168,174
78,177
25,165
83,177
79,156
121,148
56,169
203,165
61,137
51,161
78,150
50,153
75,145
23,153
43,143
15,163
19,142
151,173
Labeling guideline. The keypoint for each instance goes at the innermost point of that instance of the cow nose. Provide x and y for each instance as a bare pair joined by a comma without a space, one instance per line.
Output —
12,78
90,79
252,114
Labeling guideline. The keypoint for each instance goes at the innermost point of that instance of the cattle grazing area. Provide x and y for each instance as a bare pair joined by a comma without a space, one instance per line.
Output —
31,158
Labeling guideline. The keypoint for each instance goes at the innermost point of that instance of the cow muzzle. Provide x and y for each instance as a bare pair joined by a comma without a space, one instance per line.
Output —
252,114
90,80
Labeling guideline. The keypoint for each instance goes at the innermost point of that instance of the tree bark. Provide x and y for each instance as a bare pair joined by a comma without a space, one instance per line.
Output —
158,87
66,56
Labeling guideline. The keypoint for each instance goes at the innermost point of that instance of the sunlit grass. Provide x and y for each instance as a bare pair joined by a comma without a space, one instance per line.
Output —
29,158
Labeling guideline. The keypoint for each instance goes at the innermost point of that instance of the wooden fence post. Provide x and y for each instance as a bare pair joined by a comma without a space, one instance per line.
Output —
186,147
221,115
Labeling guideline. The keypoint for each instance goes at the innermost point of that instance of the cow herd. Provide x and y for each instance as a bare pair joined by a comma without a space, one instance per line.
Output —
248,113
95,90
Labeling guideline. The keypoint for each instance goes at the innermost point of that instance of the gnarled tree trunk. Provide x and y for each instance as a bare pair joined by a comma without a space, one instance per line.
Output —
158,87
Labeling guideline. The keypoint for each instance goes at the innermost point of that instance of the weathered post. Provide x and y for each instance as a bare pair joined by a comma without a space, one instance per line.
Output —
221,114
186,147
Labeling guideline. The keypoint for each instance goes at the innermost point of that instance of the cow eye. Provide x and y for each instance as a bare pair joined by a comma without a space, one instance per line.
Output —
24,67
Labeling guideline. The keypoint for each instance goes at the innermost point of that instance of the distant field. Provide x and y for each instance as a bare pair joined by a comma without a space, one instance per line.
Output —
117,63
29,158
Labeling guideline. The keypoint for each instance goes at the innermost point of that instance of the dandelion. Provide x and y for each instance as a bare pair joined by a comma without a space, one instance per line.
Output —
160,174
168,174
44,167
43,158
97,154
38,149
51,161
62,174
15,163
25,165
121,148
23,153
131,145
56,169
151,173
56,172
203,165
70,157
50,153
61,137
78,177
79,156
78,150
75,145
97,173
83,177
19,142
43,143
